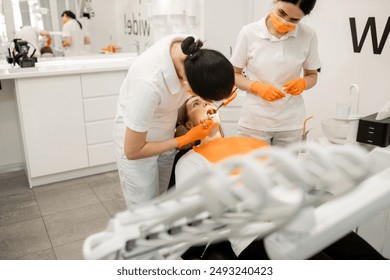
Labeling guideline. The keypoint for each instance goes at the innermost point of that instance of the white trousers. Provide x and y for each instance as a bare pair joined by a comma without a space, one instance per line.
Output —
144,179
276,138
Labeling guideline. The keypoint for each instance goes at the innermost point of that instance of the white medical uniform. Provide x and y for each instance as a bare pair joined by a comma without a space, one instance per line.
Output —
274,61
149,100
192,164
30,34
72,29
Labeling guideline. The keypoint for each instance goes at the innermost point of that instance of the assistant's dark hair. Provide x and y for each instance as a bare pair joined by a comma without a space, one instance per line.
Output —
72,16
209,73
305,5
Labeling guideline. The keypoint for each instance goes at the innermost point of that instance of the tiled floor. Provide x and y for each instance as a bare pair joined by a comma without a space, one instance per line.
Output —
51,222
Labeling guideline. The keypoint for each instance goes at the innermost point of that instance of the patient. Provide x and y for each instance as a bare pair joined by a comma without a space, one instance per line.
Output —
215,148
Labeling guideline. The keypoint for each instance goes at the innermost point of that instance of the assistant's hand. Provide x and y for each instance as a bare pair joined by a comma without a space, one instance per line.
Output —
198,132
295,87
266,91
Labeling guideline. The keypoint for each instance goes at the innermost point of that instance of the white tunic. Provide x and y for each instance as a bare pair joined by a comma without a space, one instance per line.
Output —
148,101
72,29
192,164
274,61
151,94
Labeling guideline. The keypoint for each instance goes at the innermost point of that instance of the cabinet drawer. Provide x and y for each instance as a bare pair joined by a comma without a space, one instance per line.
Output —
100,108
99,132
101,154
100,84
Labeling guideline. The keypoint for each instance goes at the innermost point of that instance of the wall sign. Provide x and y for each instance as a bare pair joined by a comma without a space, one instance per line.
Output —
136,25
370,26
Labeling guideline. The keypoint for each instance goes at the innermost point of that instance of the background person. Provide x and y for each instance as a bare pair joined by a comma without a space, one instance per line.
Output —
73,34
280,58
157,84
31,35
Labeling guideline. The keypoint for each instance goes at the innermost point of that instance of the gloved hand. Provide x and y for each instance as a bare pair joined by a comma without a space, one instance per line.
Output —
266,91
198,132
295,87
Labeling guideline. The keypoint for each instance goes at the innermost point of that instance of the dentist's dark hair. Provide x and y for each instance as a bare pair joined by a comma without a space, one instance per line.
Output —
72,16
209,73
305,5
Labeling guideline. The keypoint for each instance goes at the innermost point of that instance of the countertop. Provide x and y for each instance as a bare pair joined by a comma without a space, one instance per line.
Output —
69,65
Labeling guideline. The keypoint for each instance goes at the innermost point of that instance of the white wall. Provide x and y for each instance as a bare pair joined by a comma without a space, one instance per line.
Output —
222,21
340,65
132,25
102,26
11,157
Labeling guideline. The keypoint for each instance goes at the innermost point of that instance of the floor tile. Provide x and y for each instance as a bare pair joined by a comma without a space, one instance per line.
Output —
17,207
23,238
71,251
42,255
62,197
115,206
73,225
108,188
11,175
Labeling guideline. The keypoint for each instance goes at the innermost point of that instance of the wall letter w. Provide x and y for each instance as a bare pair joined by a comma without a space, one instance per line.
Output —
357,46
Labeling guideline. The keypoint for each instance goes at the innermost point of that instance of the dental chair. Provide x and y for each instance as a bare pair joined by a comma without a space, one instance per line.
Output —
279,199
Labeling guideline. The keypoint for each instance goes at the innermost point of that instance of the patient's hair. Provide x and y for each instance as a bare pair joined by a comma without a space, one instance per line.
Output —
46,51
209,73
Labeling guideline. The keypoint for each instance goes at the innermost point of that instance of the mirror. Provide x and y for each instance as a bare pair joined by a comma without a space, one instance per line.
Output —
124,24
46,15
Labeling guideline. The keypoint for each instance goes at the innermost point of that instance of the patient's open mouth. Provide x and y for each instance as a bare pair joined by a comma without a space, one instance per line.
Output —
211,111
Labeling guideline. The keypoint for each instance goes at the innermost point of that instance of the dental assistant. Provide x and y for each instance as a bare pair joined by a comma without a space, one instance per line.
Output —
280,57
73,34
157,84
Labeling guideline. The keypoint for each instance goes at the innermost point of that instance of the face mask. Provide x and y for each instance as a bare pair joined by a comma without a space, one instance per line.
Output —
280,24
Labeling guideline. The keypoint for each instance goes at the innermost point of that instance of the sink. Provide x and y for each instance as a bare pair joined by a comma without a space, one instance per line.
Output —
335,130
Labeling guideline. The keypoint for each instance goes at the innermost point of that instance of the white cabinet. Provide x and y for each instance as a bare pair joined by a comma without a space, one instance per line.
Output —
67,124
52,120
100,92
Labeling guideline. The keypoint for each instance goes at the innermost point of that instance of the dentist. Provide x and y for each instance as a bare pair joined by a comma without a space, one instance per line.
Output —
280,58
157,84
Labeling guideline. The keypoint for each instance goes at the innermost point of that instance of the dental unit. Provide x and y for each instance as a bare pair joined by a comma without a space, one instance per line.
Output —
277,199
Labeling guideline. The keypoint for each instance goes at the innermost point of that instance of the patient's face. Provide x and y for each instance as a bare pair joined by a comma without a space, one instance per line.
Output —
197,110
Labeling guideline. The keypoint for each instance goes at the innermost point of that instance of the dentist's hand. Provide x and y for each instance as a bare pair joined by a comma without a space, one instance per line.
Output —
295,87
196,133
266,91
